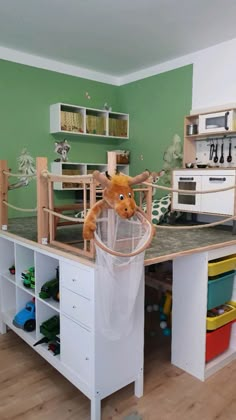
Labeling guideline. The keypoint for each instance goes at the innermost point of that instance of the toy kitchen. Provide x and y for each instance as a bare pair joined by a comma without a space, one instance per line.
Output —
209,163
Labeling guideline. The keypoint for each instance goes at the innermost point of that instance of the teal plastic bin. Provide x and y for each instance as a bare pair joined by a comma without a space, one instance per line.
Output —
220,289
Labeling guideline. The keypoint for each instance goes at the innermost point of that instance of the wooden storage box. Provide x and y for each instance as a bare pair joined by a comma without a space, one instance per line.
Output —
71,172
122,158
217,341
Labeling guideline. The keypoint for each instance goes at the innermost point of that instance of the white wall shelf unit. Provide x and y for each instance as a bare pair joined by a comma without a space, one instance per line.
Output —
78,120
95,373
73,168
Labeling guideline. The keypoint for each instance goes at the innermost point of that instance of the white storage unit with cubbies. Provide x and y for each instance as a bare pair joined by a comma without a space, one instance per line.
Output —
96,365
189,312
79,120
74,168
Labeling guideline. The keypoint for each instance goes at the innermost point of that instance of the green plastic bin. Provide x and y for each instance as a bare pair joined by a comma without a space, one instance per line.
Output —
220,289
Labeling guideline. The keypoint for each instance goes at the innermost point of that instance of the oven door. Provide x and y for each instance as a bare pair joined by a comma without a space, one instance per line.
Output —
186,202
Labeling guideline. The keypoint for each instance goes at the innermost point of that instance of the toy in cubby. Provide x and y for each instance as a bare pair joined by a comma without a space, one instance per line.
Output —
50,329
165,313
159,314
28,278
25,318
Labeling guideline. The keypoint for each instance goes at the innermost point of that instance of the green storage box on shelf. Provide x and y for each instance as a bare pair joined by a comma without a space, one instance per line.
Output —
220,289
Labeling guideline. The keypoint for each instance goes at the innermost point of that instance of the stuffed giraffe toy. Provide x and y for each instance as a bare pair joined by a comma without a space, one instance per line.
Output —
117,195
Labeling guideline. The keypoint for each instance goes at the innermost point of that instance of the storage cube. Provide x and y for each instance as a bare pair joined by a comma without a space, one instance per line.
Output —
217,341
220,290
222,265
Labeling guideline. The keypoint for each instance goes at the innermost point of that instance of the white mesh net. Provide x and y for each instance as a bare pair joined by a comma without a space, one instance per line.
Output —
119,277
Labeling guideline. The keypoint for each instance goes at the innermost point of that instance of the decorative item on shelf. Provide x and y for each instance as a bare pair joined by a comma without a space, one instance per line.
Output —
122,157
62,148
25,319
191,129
107,107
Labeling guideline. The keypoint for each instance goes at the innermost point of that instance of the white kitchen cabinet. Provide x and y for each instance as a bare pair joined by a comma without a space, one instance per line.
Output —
79,120
94,363
73,168
219,203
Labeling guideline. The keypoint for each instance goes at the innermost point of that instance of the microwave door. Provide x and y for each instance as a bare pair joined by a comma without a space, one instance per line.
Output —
218,122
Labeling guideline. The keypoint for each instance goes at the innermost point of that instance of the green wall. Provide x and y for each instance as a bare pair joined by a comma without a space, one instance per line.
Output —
156,106
25,96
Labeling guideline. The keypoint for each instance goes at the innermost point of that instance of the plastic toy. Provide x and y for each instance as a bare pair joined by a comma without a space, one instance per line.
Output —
50,289
25,319
50,330
117,195
165,313
12,269
28,278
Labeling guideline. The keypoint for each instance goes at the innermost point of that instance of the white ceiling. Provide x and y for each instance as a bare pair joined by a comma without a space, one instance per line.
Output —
115,37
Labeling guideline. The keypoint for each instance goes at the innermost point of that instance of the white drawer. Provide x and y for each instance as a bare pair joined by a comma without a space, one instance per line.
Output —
77,279
76,345
76,306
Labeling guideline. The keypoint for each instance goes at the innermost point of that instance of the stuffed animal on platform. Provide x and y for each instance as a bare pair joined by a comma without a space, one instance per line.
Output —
117,195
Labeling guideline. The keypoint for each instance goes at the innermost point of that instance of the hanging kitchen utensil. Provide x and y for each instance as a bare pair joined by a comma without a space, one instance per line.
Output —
222,152
212,149
229,158
216,151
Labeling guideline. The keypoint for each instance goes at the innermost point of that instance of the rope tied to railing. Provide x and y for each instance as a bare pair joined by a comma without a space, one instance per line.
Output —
190,192
18,208
63,216
20,175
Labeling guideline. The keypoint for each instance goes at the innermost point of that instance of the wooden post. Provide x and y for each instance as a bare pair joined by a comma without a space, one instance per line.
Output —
111,163
42,201
3,195
149,201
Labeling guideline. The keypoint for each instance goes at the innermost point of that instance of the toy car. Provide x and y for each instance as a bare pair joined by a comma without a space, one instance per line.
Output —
25,319
28,278
12,269
50,289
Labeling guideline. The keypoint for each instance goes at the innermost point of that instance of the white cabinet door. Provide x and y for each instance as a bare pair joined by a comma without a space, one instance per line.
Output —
221,202
76,345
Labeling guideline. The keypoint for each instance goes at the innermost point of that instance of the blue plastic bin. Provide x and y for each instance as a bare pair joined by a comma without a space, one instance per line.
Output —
220,290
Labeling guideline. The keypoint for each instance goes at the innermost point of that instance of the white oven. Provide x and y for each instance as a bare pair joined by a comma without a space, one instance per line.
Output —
186,202
217,121
220,202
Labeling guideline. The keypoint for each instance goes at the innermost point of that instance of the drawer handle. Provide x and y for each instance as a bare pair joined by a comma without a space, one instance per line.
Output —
74,306
74,280
181,178
86,358
217,179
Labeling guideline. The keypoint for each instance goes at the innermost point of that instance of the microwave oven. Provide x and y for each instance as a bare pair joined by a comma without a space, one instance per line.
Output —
218,121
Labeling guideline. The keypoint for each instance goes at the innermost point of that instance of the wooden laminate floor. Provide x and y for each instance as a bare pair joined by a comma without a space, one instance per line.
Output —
30,389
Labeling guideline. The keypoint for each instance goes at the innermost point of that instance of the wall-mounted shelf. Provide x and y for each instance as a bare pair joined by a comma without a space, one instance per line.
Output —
73,168
78,120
